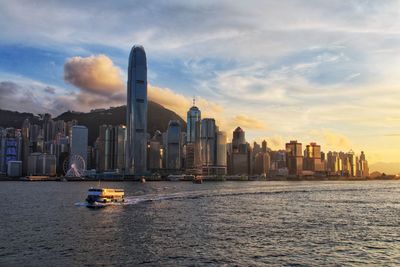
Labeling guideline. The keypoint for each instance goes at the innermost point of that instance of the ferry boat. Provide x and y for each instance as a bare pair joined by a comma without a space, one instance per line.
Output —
101,197
198,180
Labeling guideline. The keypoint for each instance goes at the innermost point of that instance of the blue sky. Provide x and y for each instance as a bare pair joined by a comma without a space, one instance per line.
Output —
324,71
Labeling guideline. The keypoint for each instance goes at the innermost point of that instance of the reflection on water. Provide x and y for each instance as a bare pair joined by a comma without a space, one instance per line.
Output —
180,223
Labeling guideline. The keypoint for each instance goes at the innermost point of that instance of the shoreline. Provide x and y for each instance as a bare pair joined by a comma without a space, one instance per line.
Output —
208,179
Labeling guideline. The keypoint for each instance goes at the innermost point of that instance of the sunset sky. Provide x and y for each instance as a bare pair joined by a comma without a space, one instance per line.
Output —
324,71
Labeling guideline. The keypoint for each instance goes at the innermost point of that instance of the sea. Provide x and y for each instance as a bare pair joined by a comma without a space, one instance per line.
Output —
260,223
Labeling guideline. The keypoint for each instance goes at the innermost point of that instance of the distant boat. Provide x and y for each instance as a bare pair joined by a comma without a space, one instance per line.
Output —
198,180
101,197
175,177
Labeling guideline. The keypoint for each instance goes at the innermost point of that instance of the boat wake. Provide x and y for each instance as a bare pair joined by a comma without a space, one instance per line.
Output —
133,200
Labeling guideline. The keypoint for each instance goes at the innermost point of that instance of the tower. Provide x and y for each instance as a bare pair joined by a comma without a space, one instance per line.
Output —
136,112
79,141
174,145
193,148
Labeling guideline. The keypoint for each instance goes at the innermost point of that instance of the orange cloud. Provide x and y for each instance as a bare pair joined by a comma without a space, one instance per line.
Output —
335,141
95,74
247,123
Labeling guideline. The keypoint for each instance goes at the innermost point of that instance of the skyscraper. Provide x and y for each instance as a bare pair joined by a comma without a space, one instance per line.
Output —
174,145
238,138
208,130
193,148
136,112
193,124
239,158
221,157
312,158
79,141
111,145
294,158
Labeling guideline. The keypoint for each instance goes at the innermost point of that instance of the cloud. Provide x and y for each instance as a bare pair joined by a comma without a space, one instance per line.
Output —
329,140
247,122
335,141
27,96
50,90
94,74
169,99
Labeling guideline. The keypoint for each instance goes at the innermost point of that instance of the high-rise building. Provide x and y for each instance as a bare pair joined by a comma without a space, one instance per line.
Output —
154,154
111,148
10,147
239,157
334,163
352,162
136,115
363,166
14,168
264,147
42,164
221,153
48,128
207,139
193,146
173,155
238,139
68,126
294,158
262,162
26,147
60,128
312,158
79,141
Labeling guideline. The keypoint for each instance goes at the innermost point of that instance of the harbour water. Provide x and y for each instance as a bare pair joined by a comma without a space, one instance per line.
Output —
214,223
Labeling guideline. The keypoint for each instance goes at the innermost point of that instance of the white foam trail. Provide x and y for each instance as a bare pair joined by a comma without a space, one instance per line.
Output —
133,200
81,204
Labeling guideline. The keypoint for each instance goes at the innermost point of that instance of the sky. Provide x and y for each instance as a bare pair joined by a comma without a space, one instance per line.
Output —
306,70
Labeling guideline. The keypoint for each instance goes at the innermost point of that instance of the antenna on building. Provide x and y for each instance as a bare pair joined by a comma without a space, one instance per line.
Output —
194,101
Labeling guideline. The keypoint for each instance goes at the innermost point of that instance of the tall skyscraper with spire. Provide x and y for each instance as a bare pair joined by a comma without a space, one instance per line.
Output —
193,149
136,112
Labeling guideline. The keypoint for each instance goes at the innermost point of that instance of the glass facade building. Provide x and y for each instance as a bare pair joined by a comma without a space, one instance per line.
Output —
174,145
136,113
79,141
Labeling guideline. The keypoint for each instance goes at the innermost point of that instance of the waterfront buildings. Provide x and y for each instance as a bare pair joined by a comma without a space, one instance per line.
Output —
136,113
10,147
201,149
41,164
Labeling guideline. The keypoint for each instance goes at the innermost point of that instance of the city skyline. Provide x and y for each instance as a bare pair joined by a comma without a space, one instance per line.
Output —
316,76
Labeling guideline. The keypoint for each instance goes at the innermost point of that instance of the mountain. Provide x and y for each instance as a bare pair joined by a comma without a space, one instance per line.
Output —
386,167
15,118
158,118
